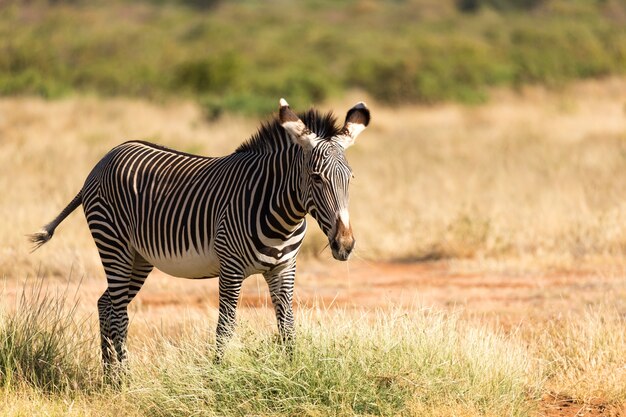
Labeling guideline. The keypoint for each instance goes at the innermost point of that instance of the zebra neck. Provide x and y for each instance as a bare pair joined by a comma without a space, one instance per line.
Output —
283,209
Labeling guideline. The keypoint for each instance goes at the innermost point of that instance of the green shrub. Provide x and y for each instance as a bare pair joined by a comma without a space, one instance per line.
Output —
208,75
389,81
553,56
31,82
437,69
475,5
227,53
239,103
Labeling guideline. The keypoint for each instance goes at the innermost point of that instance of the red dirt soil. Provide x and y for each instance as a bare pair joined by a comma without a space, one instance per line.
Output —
509,296
554,406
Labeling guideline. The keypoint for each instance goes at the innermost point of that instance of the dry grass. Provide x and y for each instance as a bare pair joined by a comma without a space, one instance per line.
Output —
583,355
537,175
540,176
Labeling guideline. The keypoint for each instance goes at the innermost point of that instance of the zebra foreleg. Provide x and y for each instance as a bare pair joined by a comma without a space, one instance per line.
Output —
281,283
229,288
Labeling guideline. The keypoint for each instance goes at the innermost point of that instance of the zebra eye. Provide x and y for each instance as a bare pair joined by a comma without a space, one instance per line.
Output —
317,178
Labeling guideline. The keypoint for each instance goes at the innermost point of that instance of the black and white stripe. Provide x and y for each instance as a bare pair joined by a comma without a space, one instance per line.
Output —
229,217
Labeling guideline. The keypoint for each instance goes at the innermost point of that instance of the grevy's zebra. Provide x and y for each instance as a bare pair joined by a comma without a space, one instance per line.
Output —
199,217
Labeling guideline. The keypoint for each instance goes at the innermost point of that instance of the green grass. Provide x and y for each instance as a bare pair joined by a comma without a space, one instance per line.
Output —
38,346
233,56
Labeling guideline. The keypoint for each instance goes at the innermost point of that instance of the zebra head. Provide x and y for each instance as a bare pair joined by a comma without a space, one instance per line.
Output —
326,174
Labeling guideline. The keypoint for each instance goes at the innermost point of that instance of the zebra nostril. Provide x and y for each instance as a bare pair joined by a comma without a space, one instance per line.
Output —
334,245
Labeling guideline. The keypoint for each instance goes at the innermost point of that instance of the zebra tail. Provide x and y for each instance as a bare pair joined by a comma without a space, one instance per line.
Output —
39,238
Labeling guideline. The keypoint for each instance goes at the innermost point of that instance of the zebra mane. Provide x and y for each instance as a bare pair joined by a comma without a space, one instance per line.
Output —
271,136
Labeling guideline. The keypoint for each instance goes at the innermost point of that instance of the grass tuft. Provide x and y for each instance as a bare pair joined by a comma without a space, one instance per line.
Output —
374,364
38,347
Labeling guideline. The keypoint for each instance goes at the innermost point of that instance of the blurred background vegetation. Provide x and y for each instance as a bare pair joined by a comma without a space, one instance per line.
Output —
240,55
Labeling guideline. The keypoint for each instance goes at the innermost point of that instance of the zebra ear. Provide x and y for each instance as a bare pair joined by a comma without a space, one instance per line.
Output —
357,119
297,130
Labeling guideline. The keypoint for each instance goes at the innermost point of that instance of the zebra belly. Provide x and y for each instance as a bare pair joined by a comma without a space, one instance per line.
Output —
191,264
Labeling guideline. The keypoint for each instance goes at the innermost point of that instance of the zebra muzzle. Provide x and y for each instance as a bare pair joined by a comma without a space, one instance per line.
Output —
343,242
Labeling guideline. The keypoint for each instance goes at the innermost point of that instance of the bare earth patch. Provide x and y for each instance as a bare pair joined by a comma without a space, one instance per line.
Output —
508,296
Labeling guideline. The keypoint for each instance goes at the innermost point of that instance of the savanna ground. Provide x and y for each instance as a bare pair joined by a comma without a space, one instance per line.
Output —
488,277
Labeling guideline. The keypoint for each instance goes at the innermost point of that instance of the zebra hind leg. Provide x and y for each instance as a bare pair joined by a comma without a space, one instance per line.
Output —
114,315
106,341
117,260
141,269
113,322
126,290
118,314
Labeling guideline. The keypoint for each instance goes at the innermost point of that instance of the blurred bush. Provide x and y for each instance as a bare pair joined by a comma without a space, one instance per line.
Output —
208,74
236,56
475,5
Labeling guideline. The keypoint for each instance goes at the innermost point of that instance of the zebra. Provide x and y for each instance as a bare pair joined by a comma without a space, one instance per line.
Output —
228,217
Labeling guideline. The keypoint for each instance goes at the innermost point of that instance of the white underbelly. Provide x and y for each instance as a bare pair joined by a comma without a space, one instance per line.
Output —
191,264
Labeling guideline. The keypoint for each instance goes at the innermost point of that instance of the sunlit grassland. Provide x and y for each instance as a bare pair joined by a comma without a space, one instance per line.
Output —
537,177
534,177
